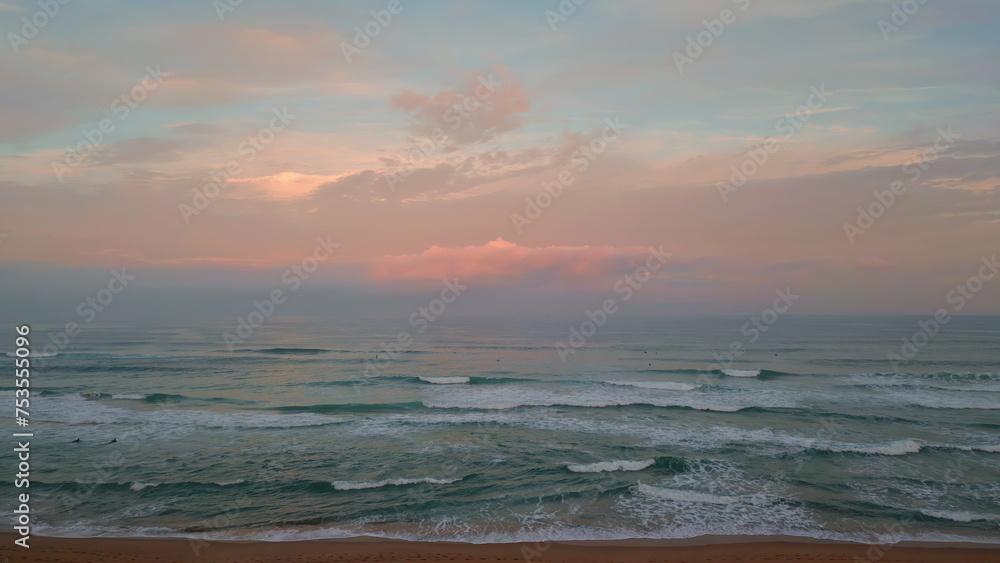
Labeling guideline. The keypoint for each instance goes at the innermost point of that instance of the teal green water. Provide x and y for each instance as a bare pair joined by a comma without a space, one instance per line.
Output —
478,432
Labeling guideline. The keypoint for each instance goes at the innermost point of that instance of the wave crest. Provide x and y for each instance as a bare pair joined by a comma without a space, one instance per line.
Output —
444,380
137,486
959,516
617,465
898,447
741,372
356,485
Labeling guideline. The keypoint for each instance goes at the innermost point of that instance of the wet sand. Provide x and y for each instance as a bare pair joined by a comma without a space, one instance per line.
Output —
120,550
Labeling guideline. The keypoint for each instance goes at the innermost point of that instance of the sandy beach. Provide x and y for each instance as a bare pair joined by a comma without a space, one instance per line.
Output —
119,550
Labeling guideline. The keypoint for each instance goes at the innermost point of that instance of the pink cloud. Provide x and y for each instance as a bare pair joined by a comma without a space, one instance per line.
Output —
505,263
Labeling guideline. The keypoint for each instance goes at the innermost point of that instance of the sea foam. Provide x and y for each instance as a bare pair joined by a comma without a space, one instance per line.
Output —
679,495
741,372
445,380
137,486
898,447
355,485
617,465
959,516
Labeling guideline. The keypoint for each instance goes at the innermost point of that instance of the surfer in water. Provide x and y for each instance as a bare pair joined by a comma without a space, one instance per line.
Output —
113,441
77,441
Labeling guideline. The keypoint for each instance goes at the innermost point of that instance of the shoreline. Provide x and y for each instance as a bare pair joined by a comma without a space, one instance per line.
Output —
702,548
693,541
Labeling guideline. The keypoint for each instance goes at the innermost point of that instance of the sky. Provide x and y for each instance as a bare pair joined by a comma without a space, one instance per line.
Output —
355,155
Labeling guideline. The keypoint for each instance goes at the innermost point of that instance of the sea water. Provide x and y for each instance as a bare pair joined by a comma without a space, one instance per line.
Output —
478,431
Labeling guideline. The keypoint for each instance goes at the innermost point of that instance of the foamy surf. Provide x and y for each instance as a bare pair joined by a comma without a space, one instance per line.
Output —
679,495
959,516
667,385
445,380
594,404
82,409
754,472
898,447
137,486
356,485
959,406
617,465
987,449
741,372
514,397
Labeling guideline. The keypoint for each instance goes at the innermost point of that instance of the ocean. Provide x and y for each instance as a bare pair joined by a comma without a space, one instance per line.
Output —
475,430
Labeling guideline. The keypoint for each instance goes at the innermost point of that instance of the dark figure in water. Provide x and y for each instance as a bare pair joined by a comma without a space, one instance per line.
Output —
77,441
113,441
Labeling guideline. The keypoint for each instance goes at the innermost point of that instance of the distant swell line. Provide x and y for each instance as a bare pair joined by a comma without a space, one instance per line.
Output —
289,351
665,385
150,397
357,485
